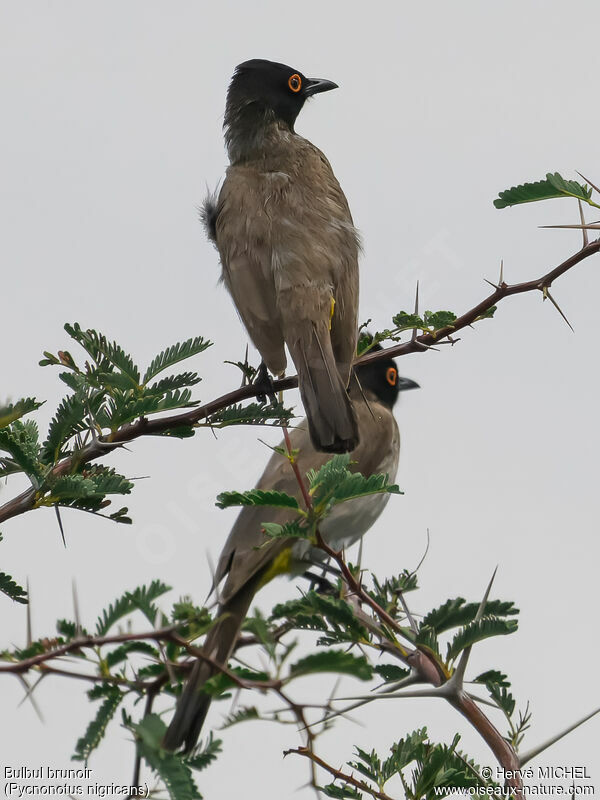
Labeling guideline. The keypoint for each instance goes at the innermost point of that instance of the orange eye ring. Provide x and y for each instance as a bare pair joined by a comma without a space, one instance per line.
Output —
295,82
391,376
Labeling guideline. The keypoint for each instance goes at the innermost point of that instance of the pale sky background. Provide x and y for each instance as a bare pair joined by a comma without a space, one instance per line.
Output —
110,134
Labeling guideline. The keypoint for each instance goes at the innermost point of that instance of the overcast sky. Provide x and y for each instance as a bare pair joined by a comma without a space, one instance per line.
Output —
110,134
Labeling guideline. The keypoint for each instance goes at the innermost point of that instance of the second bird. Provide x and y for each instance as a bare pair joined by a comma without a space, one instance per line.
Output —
288,246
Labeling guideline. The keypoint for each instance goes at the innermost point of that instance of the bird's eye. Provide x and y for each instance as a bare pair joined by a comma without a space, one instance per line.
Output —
295,82
391,376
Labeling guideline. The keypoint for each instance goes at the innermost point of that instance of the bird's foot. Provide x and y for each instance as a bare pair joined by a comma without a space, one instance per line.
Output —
319,583
264,383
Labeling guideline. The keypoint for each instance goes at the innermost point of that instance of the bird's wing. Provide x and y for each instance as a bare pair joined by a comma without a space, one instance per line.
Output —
247,551
243,238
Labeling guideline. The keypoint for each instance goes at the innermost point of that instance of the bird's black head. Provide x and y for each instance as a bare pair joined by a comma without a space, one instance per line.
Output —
381,378
266,87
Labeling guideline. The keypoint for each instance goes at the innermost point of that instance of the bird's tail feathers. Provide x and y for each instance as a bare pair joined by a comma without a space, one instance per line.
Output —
331,418
193,704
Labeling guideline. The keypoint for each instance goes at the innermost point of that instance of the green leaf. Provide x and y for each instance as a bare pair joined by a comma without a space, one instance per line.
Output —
122,408
74,380
477,631
69,629
487,314
257,497
438,319
220,682
112,380
13,411
97,727
335,483
407,320
386,593
333,661
324,481
247,370
172,382
120,516
172,355
170,768
178,432
390,672
259,627
369,764
107,355
140,599
503,697
100,690
554,186
492,676
409,749
241,714
331,615
426,637
21,441
456,613
12,589
251,414
143,599
89,490
68,420
120,653
204,754
341,792
290,530
356,485
107,481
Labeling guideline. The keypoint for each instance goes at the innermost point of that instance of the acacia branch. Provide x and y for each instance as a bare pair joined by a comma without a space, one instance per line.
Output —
81,642
337,774
157,426
426,667
501,291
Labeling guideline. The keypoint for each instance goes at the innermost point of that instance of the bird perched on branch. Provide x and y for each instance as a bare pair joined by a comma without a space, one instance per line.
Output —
249,559
288,246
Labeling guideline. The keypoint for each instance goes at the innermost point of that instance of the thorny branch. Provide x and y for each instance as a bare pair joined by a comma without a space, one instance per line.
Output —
424,667
337,774
146,427
426,670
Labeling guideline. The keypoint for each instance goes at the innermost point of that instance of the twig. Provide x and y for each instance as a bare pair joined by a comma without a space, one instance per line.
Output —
19,667
152,427
337,774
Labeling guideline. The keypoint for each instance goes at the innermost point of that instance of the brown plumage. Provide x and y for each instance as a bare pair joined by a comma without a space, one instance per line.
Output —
246,562
288,246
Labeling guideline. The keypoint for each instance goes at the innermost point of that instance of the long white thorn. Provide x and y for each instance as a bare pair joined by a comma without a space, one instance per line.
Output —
530,754
583,228
495,285
589,226
414,333
458,675
547,294
29,695
28,628
366,699
76,609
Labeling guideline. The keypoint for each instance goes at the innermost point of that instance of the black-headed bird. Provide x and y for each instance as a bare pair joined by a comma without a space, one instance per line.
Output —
288,246
249,559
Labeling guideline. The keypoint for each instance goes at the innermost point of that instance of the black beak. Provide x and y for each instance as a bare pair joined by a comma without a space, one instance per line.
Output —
403,384
316,85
